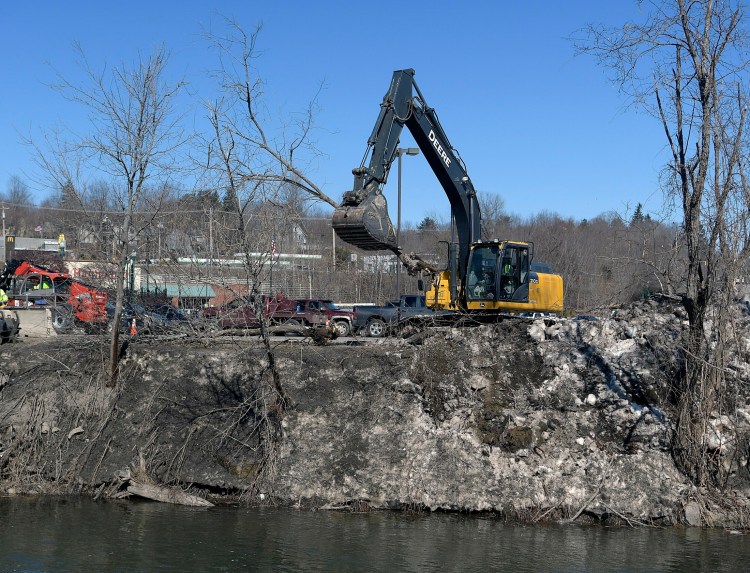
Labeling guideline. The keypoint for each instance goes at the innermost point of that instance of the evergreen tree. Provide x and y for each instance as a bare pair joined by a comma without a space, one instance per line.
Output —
637,216
427,224
69,197
229,202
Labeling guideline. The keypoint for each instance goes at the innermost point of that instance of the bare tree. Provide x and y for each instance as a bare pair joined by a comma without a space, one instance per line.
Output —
256,154
259,177
132,141
256,164
17,204
17,191
654,253
494,218
687,64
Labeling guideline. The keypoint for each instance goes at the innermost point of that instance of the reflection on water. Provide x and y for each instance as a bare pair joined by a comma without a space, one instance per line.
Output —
61,535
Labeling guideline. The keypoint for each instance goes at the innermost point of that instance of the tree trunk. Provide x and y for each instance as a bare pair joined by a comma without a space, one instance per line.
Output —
167,495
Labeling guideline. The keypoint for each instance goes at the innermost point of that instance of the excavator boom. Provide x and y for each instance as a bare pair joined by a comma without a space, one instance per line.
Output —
362,219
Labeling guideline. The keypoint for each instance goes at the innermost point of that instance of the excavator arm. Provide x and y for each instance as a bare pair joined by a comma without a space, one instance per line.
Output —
362,219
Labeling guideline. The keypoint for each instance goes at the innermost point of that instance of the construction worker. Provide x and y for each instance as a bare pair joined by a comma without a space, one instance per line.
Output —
44,284
507,285
3,298
507,267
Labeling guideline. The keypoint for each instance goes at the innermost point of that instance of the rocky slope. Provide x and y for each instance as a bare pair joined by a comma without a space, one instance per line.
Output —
546,419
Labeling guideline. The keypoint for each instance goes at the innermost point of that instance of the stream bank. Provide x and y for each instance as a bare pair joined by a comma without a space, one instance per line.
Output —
532,420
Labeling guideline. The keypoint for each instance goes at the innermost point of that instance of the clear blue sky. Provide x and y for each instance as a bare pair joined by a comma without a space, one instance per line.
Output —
540,127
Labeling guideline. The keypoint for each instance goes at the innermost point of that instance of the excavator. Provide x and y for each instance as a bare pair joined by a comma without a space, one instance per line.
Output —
483,277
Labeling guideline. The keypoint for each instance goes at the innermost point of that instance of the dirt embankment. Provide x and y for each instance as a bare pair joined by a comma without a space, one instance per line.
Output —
538,420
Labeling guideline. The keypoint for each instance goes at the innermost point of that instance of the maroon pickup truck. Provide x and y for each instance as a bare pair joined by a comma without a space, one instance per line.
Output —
242,313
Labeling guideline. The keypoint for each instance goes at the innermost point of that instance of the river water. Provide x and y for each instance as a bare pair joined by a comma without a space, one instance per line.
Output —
81,535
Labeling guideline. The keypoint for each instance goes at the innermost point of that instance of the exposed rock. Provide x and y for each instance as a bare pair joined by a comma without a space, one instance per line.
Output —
693,514
74,432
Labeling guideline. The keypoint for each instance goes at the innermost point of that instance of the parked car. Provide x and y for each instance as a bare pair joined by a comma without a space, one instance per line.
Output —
162,319
165,319
129,312
535,314
311,312
241,312
211,316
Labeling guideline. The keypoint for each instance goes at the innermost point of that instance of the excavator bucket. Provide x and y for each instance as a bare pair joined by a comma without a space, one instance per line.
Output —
366,224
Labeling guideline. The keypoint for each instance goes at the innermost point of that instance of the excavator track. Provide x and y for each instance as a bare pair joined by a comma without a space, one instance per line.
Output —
366,224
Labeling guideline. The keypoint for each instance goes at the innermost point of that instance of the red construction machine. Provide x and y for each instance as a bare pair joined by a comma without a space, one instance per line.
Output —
72,302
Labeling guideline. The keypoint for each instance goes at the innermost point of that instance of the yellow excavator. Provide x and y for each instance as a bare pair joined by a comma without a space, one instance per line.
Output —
483,277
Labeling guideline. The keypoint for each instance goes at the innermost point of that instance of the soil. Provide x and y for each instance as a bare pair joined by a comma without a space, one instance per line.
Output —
532,419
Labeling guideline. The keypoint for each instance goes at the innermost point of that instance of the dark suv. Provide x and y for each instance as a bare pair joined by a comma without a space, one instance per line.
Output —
312,311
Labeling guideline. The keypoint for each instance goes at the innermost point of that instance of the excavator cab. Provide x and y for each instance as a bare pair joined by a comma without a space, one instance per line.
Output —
498,272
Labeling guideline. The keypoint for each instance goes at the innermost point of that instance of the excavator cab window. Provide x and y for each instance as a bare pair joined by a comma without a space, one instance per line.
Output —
481,281
509,272
524,268
514,272
30,283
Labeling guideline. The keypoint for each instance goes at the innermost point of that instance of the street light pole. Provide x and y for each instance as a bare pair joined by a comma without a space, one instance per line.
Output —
159,226
333,249
5,254
399,153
